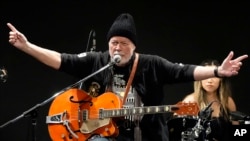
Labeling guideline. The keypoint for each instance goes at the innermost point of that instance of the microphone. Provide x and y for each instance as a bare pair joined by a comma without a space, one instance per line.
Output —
206,112
93,41
116,59
3,75
208,106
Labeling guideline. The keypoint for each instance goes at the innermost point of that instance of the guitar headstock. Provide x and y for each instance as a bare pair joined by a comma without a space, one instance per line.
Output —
186,108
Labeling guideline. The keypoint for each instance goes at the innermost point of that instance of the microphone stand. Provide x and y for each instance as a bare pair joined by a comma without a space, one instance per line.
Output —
92,32
32,112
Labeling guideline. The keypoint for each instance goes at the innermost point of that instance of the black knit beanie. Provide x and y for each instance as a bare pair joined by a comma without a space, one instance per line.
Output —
123,26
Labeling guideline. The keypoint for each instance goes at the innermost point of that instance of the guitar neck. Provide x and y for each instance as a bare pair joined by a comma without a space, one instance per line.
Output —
106,113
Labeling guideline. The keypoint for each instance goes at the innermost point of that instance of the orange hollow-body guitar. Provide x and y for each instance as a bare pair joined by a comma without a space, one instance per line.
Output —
76,116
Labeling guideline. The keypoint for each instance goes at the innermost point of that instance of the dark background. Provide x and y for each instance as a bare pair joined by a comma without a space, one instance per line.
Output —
185,32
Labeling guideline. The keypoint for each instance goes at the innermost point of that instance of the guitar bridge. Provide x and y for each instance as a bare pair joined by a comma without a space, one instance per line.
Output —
60,118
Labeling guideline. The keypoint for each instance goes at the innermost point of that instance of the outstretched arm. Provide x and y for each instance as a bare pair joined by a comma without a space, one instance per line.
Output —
46,56
229,67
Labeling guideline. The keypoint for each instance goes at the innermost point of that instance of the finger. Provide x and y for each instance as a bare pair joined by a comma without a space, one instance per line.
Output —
239,63
12,28
229,56
236,67
234,62
235,73
240,58
12,34
12,41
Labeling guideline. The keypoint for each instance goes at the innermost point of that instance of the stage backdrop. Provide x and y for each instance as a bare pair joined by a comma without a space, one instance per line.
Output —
181,32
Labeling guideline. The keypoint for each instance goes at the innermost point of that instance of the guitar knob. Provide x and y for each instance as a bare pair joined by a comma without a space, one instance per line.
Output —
62,136
106,129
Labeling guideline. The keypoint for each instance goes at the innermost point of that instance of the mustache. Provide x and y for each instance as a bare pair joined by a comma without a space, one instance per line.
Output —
118,53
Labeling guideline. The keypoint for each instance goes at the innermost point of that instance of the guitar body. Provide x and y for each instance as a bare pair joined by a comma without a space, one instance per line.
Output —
69,103
95,124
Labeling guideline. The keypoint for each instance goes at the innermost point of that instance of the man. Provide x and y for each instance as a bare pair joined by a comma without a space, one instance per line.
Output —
152,73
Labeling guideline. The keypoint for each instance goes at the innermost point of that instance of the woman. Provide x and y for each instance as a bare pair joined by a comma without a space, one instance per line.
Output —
216,93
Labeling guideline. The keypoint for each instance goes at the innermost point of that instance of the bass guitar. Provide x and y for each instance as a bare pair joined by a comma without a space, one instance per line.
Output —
74,115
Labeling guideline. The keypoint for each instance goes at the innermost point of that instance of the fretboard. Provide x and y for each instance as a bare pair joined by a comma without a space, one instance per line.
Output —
106,113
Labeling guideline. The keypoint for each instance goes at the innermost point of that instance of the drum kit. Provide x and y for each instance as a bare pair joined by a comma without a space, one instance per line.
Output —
188,128
191,127
201,127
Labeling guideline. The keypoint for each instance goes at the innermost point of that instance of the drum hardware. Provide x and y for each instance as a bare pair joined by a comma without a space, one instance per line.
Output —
201,127
3,75
180,127
197,129
208,130
194,133
185,136
239,116
183,122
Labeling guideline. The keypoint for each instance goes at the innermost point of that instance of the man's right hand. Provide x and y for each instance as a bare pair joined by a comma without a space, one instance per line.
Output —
16,38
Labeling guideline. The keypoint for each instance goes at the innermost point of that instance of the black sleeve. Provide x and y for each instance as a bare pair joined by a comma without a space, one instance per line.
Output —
164,71
174,72
77,65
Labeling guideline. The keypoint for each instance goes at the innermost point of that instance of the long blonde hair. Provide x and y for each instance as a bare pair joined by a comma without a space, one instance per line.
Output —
223,91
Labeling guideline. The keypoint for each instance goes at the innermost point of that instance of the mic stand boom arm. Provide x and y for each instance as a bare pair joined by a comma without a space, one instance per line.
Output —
32,111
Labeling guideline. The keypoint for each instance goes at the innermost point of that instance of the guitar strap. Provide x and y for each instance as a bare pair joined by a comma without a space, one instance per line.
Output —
131,77
137,130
